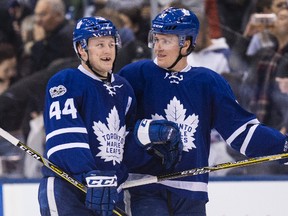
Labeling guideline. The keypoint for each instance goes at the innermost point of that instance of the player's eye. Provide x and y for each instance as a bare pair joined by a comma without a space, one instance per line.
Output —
112,45
99,45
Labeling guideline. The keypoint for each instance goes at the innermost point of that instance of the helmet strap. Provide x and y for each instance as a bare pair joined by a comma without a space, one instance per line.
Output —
180,56
103,78
177,60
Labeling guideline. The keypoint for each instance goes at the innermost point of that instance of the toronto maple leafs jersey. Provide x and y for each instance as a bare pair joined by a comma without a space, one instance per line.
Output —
86,121
197,99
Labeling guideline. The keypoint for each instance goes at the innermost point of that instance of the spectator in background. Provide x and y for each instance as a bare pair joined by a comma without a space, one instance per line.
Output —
131,18
146,20
208,48
7,32
252,36
260,86
231,14
132,49
207,7
30,34
211,10
8,63
50,15
18,11
94,6
281,79
16,100
260,32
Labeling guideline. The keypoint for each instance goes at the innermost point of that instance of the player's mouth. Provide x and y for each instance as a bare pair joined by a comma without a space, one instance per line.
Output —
106,59
161,56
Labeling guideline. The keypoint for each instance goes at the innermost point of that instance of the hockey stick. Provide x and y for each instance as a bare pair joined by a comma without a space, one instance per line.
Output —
13,140
203,170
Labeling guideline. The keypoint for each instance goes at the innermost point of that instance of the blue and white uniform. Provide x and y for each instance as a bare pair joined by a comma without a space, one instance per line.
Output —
86,121
197,99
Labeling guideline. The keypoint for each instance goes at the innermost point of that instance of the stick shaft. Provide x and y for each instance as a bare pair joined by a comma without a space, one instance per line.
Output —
203,170
13,140
41,159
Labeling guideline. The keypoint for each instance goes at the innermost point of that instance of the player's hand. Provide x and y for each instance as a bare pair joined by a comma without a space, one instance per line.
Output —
161,138
102,192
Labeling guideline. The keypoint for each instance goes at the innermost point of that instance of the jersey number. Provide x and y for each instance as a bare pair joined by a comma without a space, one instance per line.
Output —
69,109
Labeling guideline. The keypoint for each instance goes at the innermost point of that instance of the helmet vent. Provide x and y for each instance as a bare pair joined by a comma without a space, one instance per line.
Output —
170,27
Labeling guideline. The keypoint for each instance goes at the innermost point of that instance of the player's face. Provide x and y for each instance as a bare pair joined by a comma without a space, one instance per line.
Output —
283,84
166,49
102,52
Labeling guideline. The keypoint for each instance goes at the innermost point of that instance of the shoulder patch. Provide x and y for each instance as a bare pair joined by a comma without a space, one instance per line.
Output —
57,91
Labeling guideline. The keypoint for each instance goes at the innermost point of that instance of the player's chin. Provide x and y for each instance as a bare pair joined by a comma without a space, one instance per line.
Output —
163,64
107,67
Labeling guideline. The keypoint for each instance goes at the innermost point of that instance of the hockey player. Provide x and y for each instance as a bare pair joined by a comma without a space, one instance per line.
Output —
87,113
197,99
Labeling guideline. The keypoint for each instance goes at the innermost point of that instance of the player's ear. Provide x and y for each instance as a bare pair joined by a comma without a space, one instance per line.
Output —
186,48
82,52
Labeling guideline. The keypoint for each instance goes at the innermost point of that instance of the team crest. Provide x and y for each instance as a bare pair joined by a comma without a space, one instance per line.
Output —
188,124
111,138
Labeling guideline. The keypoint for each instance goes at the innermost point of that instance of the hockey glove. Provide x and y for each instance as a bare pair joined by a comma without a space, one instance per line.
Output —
102,192
161,138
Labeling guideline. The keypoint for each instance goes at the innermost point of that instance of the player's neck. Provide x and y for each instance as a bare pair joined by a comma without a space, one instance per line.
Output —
100,75
180,65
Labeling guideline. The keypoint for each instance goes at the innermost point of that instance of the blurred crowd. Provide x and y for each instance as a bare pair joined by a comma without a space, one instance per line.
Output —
246,41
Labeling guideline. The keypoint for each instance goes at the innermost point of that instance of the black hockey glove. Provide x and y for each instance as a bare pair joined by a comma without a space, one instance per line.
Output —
161,138
102,192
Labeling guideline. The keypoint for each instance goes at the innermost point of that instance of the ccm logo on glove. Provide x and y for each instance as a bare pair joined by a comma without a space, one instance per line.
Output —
101,181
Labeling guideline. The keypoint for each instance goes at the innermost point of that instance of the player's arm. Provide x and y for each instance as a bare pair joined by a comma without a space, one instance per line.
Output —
241,129
66,135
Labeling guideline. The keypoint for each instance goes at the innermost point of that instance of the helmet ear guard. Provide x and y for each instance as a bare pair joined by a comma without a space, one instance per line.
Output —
83,43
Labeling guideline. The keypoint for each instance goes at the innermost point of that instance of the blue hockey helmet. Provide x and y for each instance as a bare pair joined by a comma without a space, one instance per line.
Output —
177,21
88,27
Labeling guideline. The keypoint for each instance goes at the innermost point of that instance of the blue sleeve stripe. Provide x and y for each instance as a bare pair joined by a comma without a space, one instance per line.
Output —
240,130
67,146
66,130
247,139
